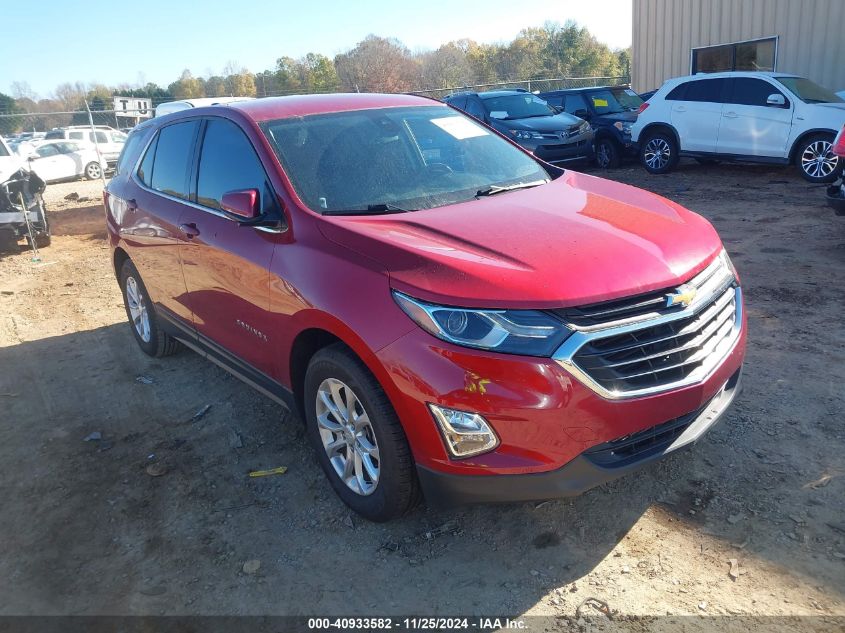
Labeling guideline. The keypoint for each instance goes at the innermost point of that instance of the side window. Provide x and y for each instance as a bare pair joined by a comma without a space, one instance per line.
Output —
129,151
100,136
678,93
574,103
228,162
75,135
709,90
555,101
173,158
474,108
47,150
145,169
753,92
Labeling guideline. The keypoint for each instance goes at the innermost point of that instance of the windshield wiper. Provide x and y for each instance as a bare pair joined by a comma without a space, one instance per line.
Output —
492,190
382,208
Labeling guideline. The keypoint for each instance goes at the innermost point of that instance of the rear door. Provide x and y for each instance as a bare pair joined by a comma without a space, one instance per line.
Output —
227,265
750,126
151,226
696,113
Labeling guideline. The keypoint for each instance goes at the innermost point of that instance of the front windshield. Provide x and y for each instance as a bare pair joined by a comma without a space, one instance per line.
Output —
410,158
518,106
3,150
614,100
809,91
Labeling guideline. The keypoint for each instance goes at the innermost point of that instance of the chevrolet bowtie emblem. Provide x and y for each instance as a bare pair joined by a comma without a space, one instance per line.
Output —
683,295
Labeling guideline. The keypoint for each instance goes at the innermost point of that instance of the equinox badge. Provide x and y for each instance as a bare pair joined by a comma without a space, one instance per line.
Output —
683,296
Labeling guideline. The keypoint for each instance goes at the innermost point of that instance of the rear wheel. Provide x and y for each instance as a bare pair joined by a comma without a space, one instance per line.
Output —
93,171
141,314
608,154
816,160
659,152
357,435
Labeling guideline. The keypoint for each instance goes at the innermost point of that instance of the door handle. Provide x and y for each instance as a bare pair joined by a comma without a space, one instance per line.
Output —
189,230
730,115
680,109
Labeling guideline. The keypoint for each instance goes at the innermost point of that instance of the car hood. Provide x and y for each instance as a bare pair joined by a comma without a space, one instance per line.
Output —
552,123
8,166
574,241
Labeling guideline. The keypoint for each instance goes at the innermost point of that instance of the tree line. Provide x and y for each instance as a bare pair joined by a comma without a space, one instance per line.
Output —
375,64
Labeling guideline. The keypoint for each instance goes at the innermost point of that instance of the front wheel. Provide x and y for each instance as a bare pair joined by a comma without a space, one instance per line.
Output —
357,435
93,171
608,154
659,153
816,160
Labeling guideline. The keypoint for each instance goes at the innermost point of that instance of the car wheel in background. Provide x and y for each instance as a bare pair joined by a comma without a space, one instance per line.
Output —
357,435
659,152
142,317
816,161
93,171
608,155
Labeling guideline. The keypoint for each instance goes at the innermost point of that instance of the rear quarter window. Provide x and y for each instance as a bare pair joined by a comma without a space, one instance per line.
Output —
130,151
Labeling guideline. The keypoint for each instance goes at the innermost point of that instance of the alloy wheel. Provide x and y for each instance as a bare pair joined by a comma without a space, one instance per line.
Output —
603,155
138,309
818,161
657,153
93,171
348,436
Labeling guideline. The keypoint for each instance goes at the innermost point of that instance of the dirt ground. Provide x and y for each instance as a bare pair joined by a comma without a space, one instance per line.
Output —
87,529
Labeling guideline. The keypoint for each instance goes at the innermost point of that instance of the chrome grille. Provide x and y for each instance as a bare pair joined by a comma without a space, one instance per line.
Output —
641,346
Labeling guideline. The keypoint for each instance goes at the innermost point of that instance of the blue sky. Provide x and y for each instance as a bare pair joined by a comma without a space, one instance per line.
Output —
49,42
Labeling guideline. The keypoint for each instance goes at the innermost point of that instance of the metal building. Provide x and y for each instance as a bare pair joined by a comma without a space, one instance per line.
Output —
681,37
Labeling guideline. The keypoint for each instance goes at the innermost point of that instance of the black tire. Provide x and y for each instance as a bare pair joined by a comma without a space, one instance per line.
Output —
826,171
8,242
93,171
160,343
608,153
42,233
707,161
659,152
397,489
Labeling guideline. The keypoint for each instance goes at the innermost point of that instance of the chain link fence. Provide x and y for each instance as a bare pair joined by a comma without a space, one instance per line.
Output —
531,85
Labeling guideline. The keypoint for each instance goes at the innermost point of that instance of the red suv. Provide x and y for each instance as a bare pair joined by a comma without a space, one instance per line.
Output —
448,314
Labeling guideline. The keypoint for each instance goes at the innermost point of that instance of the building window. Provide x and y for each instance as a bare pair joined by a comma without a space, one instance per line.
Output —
753,55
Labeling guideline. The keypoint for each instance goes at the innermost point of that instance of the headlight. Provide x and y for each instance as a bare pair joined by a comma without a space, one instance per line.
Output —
623,126
585,127
525,134
527,332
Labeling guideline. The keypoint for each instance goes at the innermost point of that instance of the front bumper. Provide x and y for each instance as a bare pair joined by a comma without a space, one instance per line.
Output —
598,465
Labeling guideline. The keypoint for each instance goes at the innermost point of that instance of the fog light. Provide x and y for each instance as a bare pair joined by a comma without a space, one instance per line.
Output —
466,434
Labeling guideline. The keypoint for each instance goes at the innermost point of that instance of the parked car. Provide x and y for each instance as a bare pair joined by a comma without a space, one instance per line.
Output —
610,110
446,312
550,135
645,96
65,160
110,141
836,192
16,182
759,117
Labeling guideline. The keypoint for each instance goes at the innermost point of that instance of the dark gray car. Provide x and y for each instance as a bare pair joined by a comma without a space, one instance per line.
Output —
552,136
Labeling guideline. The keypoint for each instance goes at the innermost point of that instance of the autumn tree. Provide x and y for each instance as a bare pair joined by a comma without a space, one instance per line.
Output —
377,64
186,87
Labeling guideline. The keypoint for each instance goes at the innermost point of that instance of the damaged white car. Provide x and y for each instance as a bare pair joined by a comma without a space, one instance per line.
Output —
20,192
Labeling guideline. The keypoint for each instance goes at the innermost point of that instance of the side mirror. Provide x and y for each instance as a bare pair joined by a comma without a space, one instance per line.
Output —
776,100
242,203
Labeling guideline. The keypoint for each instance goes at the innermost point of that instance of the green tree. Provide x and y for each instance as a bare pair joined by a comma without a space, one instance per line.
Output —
186,87
9,125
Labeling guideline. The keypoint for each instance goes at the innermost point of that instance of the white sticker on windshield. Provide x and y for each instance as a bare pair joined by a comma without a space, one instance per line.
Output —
459,127
499,114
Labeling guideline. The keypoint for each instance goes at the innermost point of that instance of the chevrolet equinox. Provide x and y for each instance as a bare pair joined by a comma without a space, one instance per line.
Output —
449,315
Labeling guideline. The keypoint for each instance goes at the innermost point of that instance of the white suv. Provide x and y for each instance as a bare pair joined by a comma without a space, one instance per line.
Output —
744,116
111,141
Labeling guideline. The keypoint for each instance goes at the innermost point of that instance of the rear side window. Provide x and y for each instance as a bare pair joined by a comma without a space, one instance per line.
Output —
75,135
172,159
228,162
574,103
754,92
705,90
130,151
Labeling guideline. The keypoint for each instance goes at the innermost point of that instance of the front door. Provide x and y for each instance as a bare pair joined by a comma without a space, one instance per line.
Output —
749,125
226,265
50,164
